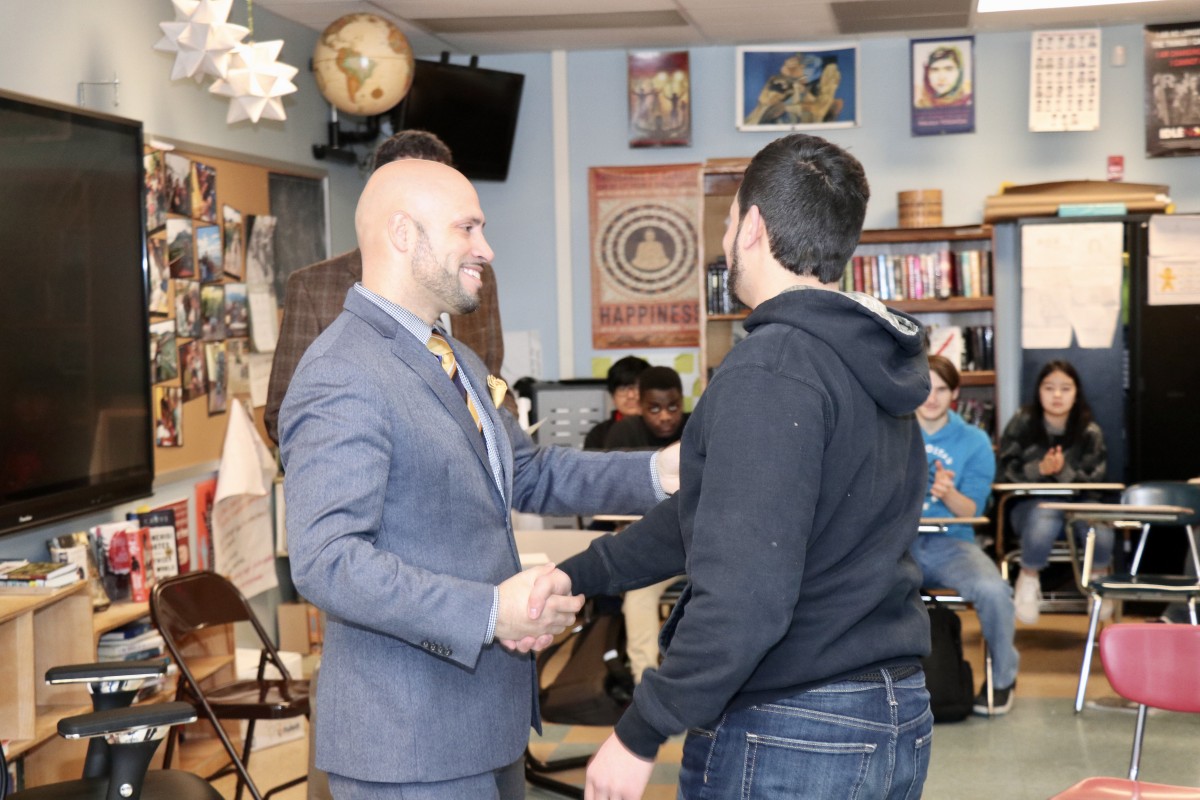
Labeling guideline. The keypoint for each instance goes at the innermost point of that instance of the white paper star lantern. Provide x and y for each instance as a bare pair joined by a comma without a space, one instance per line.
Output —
256,82
201,38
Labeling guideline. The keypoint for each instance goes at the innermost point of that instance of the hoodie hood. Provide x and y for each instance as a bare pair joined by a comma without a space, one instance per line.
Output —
884,349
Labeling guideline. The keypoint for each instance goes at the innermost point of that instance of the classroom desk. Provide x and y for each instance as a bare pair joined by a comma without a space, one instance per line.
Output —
939,524
1116,514
553,544
1119,516
1006,492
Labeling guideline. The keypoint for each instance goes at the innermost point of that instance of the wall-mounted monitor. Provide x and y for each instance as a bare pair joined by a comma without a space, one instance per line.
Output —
75,418
472,109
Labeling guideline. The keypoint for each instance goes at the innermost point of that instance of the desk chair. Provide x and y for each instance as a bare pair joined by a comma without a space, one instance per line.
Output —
188,603
1005,493
1142,505
1152,665
122,739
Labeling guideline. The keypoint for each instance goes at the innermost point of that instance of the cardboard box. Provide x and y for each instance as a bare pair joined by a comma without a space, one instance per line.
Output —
301,628
293,627
268,733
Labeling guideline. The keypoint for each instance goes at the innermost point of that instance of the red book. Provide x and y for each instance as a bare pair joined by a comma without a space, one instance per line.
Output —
141,567
202,554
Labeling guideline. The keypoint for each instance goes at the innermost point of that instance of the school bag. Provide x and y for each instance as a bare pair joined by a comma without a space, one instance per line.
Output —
947,674
584,676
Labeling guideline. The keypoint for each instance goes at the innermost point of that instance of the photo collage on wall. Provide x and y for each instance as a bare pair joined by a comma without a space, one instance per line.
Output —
200,318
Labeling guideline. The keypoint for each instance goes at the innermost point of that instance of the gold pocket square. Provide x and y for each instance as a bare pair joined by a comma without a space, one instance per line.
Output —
498,388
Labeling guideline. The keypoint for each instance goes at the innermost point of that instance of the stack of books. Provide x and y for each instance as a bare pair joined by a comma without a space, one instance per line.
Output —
133,642
38,575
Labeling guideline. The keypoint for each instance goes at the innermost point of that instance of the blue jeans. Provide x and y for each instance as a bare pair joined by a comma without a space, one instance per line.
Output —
858,740
1040,527
950,563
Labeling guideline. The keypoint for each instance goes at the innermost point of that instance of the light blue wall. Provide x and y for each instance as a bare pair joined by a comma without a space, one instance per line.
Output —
46,48
966,167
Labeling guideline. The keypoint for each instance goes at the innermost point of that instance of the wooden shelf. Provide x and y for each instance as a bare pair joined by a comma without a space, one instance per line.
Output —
980,378
951,234
39,631
950,305
46,727
735,317
116,615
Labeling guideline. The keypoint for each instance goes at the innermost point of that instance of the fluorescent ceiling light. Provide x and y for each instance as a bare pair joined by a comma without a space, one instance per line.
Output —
987,6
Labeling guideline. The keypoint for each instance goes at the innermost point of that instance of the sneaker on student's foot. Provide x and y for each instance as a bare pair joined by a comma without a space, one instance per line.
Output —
1002,701
1028,598
1107,609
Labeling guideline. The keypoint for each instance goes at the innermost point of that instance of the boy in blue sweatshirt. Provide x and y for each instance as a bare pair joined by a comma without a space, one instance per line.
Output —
961,468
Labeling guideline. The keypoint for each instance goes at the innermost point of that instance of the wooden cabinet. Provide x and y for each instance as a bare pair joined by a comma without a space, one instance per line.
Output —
39,631
890,251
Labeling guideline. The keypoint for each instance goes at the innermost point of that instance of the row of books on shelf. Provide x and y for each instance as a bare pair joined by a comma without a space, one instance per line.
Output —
971,348
920,276
979,412
720,299
887,276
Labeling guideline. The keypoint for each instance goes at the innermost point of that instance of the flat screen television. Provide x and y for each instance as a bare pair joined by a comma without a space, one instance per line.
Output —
75,417
472,109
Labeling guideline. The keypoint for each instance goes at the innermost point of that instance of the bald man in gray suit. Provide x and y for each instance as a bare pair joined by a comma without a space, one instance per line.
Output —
400,482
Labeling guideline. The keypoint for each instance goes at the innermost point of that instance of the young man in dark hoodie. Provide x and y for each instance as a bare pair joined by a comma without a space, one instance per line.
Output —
793,657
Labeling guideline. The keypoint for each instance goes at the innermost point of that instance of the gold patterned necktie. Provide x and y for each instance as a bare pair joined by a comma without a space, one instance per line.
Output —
438,345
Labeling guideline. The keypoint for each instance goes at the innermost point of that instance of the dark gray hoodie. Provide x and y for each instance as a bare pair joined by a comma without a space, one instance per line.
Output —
802,475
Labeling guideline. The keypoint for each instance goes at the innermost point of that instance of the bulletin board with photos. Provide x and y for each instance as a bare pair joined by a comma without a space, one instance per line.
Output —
216,283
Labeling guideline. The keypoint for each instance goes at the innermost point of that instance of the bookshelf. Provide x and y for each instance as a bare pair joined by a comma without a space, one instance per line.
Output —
38,631
949,304
47,629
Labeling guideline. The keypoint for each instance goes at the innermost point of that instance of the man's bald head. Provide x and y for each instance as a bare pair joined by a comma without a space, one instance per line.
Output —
420,229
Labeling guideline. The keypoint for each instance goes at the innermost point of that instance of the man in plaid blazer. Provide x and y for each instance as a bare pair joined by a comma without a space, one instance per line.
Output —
315,294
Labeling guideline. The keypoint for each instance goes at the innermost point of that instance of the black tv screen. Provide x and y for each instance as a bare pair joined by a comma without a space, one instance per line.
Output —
75,430
472,109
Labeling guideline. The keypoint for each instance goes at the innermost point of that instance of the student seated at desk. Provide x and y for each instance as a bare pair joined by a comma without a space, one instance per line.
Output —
961,469
661,420
660,401
1052,440
623,388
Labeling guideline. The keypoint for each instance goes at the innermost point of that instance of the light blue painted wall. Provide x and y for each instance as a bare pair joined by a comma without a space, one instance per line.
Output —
46,48
966,167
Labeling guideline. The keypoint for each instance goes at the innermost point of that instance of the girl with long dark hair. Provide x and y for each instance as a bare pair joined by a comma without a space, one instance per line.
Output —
1054,439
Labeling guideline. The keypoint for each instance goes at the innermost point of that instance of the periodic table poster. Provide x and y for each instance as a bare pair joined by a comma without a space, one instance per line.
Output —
1064,80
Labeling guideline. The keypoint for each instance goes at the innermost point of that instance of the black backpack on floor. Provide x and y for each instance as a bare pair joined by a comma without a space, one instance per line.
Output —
584,676
947,674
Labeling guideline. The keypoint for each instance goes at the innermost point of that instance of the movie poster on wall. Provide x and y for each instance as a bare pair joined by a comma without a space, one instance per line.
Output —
660,99
1173,90
943,83
644,246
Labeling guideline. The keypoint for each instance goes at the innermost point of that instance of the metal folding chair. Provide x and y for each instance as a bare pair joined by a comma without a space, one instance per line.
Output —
186,604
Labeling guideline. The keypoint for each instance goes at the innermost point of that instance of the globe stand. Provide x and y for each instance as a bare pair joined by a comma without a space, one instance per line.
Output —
339,138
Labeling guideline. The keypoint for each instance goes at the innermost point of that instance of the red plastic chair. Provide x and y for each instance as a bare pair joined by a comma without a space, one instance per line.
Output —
1152,665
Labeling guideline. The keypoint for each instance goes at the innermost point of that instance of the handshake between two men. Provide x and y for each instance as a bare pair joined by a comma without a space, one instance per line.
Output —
536,604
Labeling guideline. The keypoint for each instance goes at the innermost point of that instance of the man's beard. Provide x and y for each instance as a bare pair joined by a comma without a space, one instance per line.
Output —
443,283
736,272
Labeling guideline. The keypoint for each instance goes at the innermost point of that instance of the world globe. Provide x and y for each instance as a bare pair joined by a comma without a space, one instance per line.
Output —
363,64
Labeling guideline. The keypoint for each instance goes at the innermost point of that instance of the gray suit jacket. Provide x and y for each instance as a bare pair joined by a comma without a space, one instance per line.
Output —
398,531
